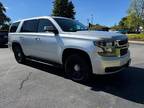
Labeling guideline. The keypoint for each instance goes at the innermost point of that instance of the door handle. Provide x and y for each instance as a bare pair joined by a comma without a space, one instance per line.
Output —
37,38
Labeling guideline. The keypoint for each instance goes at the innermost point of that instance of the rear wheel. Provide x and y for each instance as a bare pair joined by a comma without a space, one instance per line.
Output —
77,68
18,53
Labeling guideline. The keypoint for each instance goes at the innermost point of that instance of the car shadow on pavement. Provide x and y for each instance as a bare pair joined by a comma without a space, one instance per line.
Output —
3,46
128,84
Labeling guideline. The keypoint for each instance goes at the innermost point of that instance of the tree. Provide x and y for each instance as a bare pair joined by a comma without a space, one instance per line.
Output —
5,27
70,12
134,22
129,23
63,8
136,14
123,23
134,19
137,8
3,18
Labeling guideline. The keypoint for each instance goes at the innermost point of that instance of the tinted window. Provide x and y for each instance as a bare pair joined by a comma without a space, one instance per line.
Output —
14,27
69,25
43,23
30,26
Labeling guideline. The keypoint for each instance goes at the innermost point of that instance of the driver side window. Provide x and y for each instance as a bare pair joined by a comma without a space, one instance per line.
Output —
44,23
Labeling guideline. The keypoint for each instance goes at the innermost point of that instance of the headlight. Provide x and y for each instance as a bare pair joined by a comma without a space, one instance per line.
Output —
100,43
104,43
105,48
106,52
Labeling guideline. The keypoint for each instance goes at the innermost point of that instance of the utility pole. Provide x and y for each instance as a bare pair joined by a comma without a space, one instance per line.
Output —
88,21
92,19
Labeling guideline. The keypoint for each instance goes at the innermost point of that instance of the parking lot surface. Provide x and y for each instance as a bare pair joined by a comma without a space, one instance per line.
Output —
37,85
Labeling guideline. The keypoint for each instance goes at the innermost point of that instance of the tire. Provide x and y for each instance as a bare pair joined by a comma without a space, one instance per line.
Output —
77,68
18,53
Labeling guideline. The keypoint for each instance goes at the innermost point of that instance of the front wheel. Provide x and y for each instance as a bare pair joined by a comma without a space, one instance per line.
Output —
77,68
19,55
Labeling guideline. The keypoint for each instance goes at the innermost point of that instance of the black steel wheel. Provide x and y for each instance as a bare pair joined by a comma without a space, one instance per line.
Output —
77,68
18,53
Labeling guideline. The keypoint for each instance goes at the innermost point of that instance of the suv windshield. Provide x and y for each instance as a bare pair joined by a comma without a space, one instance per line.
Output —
69,25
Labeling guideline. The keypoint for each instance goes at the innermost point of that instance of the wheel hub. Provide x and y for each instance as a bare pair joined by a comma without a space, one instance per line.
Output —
19,54
77,68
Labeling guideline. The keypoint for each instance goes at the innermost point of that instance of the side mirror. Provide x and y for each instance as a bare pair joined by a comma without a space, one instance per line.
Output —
50,29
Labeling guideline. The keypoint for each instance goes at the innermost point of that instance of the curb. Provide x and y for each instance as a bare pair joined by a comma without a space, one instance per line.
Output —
137,42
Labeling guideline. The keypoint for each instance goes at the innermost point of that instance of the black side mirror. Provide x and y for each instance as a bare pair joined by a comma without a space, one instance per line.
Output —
50,29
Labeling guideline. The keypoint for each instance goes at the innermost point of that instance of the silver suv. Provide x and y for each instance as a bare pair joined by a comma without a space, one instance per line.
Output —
69,43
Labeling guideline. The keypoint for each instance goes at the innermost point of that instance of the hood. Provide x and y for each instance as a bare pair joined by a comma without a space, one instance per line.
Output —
96,35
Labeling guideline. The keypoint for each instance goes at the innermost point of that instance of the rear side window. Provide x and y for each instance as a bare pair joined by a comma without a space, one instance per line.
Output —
43,23
14,27
30,26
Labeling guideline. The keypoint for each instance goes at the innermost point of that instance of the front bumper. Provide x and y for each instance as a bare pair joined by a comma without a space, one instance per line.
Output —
109,65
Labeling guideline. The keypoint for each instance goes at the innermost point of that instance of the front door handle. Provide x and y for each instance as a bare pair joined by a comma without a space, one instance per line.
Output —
37,38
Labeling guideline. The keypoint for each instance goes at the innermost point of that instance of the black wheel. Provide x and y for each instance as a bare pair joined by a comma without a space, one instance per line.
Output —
77,68
18,53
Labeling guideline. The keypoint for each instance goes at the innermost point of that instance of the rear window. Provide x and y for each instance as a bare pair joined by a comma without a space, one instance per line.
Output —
30,26
14,27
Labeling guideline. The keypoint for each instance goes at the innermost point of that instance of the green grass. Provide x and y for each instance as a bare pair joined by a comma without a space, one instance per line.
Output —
137,37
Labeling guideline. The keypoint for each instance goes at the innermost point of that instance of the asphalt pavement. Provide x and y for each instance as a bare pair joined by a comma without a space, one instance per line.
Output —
37,85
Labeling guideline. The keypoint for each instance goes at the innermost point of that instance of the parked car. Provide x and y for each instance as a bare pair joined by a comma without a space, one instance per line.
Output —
68,43
3,37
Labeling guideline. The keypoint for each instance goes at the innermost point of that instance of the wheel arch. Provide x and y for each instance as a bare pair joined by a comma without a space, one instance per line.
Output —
71,51
15,44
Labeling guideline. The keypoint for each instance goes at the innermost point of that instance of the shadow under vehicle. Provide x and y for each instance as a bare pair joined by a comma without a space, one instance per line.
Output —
127,84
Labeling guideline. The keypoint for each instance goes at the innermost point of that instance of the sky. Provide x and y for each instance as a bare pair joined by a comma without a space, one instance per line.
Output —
104,12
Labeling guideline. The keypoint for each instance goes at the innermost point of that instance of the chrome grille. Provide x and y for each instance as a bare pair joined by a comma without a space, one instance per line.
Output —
123,42
122,45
